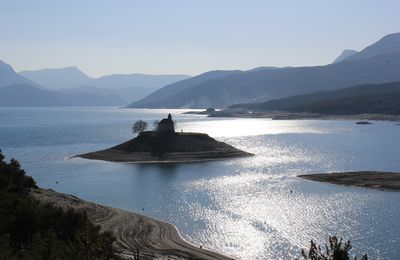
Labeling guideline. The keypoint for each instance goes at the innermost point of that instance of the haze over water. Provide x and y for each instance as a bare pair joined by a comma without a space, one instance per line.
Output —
242,207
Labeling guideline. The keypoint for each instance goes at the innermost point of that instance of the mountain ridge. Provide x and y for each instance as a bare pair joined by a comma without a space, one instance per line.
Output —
8,76
127,86
344,55
74,77
388,44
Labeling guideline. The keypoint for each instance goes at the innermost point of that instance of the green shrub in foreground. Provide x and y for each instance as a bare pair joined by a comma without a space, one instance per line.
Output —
30,229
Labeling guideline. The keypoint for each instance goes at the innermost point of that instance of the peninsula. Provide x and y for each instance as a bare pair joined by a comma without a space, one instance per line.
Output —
134,234
365,179
166,145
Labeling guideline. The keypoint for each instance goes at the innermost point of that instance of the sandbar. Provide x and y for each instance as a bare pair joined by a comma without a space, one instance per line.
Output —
366,179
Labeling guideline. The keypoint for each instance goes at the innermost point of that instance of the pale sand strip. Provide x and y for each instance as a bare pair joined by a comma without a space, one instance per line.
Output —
153,238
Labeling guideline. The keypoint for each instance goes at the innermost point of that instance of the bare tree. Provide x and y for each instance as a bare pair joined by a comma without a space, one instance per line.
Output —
139,126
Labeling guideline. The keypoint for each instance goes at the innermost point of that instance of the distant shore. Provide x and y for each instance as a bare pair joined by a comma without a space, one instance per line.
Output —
153,238
281,115
366,179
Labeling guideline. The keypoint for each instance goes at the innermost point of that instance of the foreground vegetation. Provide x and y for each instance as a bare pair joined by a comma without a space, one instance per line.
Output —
33,230
336,250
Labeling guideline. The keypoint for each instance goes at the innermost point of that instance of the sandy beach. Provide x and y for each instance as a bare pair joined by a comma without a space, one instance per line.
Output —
365,179
153,238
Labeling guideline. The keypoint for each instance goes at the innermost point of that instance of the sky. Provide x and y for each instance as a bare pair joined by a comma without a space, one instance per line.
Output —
187,36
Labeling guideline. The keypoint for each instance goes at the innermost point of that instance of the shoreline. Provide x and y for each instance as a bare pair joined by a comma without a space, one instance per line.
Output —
282,115
387,181
113,155
153,238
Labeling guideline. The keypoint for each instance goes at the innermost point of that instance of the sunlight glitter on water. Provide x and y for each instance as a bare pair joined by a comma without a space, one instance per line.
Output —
249,127
260,218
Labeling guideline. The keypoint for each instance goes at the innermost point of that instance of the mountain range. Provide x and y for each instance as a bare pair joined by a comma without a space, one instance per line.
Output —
71,87
127,86
377,63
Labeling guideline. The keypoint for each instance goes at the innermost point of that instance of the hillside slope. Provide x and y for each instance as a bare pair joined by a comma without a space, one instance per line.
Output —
388,44
363,99
8,76
159,97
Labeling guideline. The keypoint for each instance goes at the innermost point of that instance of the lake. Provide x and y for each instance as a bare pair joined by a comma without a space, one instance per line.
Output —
241,207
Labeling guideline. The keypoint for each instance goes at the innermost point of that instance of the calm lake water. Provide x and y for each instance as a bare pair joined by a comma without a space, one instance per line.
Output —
241,207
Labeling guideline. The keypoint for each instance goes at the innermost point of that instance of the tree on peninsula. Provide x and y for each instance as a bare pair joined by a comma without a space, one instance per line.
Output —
139,126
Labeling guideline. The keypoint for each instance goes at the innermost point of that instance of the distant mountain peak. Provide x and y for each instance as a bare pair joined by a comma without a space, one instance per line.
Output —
6,66
69,69
344,55
58,78
386,45
391,36
8,76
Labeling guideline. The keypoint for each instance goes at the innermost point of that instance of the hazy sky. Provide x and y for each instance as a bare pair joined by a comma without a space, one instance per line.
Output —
187,36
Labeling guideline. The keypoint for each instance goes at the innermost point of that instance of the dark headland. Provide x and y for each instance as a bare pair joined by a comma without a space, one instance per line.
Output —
365,179
166,145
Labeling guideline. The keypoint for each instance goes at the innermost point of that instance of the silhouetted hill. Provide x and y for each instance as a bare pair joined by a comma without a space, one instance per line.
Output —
27,95
363,99
376,64
8,76
344,55
158,98
388,44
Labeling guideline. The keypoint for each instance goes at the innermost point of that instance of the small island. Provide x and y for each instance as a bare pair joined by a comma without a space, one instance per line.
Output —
165,145
365,179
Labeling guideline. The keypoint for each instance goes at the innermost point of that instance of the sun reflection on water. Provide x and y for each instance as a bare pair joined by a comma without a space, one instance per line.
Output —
249,127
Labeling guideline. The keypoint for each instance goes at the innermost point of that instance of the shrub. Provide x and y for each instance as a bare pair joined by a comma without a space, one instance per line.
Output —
30,229
336,250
